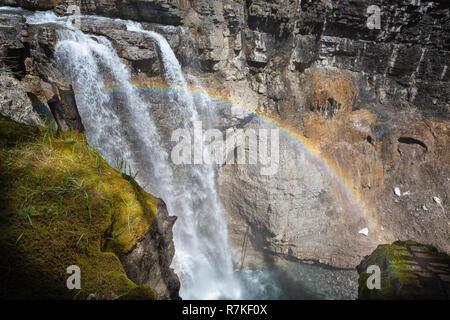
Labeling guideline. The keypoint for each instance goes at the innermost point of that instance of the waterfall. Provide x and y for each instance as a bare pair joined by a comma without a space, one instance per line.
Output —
114,120
202,253
120,124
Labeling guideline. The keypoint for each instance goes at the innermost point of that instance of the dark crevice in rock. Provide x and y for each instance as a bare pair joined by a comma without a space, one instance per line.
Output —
300,67
267,18
409,140
328,110
14,59
255,65
64,109
70,109
268,26
40,108
55,106
332,106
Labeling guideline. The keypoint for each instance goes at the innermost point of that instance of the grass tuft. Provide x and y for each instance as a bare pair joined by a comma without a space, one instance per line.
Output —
69,207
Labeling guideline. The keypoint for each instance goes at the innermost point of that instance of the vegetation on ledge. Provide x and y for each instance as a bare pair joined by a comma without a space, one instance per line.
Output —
62,205
409,270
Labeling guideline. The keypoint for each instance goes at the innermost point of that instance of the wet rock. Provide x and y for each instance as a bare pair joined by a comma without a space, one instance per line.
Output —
374,103
409,270
149,261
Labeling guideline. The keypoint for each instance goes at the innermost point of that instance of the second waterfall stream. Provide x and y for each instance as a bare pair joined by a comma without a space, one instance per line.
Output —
119,123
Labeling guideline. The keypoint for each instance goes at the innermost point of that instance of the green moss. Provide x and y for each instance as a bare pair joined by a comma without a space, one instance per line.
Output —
394,263
139,292
402,271
62,205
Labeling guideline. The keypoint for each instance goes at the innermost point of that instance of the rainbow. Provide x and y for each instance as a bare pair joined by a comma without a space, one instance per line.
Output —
322,160
325,163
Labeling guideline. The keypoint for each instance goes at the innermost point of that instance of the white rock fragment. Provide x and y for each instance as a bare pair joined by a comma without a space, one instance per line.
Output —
406,193
424,207
382,228
397,191
364,231
437,200
279,237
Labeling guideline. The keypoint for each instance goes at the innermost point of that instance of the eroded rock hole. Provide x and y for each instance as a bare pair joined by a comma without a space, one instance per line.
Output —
40,108
14,60
409,140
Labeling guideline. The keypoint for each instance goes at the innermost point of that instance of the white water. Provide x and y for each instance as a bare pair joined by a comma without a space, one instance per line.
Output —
120,124
203,256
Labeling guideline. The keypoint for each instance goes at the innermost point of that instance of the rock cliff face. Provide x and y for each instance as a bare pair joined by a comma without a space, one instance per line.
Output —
373,101
149,261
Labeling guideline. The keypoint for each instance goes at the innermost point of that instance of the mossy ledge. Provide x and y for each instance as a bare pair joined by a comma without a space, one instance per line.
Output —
61,204
409,270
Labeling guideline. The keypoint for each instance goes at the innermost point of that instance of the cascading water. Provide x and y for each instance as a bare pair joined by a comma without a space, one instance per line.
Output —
113,120
203,256
120,124
125,127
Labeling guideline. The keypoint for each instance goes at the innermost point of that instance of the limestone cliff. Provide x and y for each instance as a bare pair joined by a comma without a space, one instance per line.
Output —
373,102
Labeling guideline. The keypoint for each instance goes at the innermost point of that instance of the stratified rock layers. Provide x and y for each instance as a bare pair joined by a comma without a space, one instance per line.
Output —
373,102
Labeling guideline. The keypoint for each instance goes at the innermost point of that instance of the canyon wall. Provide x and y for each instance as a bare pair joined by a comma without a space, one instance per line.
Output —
374,102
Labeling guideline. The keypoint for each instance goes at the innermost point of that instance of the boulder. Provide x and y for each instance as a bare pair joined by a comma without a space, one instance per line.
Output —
409,270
